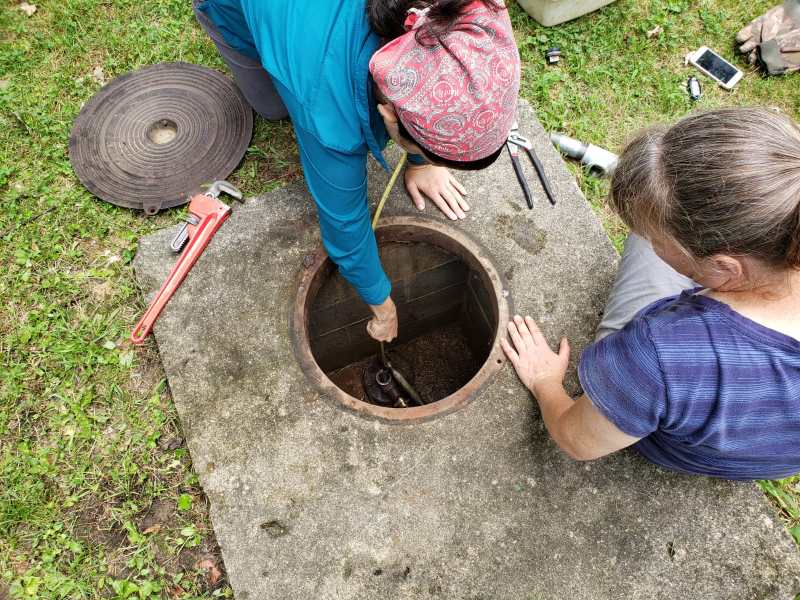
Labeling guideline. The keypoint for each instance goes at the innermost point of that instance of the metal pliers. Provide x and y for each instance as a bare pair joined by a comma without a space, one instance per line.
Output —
514,143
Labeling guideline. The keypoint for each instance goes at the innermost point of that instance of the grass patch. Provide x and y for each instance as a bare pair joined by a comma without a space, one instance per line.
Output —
786,496
98,498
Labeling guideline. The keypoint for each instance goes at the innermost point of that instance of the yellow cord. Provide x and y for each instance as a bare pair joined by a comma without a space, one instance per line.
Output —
377,216
388,189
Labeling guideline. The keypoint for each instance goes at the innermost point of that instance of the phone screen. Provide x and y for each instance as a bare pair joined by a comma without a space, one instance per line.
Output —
719,68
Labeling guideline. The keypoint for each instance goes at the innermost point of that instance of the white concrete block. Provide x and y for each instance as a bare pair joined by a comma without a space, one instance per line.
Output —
553,12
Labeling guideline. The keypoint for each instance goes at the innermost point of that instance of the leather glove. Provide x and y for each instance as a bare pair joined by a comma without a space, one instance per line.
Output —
781,54
775,22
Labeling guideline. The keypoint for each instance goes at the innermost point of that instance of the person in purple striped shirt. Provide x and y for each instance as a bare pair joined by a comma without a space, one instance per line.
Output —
697,358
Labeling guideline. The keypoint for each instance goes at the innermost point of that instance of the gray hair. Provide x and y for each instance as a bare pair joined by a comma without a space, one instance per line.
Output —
721,182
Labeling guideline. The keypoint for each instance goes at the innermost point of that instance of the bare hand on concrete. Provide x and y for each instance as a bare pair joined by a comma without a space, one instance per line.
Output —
535,363
383,326
438,184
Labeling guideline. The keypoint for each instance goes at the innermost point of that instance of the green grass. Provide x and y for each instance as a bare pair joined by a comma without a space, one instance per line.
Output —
98,498
614,80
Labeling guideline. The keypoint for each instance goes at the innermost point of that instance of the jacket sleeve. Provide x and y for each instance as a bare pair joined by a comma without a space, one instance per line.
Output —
338,183
417,160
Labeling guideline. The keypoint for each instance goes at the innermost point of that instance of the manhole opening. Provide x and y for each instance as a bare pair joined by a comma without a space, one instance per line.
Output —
162,131
449,303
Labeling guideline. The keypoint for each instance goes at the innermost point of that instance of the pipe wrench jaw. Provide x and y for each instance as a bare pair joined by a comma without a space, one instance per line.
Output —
216,188
182,237
200,207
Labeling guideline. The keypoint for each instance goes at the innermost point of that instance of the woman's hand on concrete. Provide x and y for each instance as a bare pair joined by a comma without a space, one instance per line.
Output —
438,184
383,326
535,363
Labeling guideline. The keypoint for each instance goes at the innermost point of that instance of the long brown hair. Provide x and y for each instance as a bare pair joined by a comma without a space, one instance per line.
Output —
720,182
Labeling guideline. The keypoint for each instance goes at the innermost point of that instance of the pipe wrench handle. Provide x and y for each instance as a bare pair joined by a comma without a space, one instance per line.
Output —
198,241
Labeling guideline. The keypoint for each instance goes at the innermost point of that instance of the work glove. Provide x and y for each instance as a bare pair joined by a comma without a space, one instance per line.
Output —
781,54
777,21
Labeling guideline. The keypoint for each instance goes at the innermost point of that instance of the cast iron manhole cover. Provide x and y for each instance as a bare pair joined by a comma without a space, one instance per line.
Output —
151,138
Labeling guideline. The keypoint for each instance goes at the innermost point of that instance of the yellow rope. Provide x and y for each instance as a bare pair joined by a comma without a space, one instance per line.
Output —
377,216
388,189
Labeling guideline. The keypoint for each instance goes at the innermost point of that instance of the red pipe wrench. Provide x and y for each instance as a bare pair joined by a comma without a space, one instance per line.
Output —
206,215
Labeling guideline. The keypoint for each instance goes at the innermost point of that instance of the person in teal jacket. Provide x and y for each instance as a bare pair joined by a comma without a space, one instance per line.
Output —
310,60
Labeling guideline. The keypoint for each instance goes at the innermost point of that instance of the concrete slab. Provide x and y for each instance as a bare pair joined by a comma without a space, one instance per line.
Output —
310,501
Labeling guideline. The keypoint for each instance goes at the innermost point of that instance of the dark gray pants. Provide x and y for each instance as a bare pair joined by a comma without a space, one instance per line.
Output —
642,278
253,81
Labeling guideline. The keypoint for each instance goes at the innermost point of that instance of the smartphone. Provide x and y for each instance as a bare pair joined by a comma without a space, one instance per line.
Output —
716,67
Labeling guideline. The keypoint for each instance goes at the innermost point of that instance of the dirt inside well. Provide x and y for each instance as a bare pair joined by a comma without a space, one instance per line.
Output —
436,364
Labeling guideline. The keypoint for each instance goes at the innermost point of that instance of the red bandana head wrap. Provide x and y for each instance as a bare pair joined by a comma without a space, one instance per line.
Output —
457,97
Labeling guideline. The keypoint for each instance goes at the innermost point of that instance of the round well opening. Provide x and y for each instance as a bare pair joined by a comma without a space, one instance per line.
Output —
450,300
162,131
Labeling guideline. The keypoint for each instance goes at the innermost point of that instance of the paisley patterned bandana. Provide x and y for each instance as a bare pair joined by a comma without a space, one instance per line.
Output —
458,97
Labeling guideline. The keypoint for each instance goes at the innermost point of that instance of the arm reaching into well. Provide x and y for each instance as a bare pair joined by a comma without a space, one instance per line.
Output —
383,326
338,183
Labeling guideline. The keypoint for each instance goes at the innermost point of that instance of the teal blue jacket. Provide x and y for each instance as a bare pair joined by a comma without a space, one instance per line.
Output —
317,53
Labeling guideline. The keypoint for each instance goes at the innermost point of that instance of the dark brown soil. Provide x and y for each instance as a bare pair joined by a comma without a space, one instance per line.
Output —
95,524
440,362
161,512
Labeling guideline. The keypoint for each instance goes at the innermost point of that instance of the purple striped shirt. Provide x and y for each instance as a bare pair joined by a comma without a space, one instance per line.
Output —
708,390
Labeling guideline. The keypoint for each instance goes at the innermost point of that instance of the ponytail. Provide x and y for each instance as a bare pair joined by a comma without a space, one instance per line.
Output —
388,17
